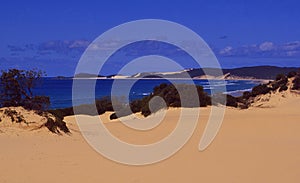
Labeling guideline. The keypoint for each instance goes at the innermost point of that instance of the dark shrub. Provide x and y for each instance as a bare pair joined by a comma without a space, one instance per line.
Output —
17,89
56,125
102,105
39,103
281,82
231,101
113,116
161,87
169,93
61,113
220,99
292,74
275,86
260,89
136,106
296,83
280,77
246,95
283,88
15,116
146,111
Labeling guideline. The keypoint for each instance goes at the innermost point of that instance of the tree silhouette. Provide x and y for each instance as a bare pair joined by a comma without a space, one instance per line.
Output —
16,89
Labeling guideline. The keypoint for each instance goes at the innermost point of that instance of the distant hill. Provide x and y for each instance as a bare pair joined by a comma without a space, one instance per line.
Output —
87,75
260,72
257,72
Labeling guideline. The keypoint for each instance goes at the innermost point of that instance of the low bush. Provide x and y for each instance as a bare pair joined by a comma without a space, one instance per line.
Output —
62,112
296,83
261,89
225,99
102,105
280,77
54,125
38,103
231,101
14,116
292,74
283,88
246,95
172,98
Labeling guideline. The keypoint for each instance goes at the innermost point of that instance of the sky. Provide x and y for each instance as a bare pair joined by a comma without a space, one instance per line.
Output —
52,35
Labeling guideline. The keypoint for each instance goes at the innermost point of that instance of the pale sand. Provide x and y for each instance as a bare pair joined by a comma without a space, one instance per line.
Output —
255,145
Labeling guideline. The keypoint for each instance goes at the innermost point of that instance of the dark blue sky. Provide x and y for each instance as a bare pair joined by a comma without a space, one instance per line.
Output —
241,33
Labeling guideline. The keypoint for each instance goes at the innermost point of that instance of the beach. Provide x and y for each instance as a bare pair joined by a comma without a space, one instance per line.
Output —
259,144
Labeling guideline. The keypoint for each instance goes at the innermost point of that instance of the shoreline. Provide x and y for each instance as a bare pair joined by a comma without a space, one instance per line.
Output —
130,78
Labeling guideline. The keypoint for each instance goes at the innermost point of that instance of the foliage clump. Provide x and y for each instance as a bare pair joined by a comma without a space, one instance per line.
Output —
102,105
296,83
171,94
16,89
292,74
15,116
56,124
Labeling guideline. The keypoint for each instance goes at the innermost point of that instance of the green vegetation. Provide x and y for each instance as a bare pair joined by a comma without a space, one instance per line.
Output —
280,84
54,124
14,116
296,83
102,105
169,93
262,89
16,89
292,74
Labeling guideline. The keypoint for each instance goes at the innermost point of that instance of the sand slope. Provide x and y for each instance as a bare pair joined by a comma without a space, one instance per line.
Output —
260,144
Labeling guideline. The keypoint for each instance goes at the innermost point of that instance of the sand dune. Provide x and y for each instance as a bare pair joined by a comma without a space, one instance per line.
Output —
260,144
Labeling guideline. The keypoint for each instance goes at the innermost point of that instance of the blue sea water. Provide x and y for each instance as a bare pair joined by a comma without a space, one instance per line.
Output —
60,90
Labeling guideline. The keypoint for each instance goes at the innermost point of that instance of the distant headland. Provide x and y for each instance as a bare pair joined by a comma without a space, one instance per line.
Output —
255,72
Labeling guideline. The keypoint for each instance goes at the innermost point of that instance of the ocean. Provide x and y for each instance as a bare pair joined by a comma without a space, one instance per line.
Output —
60,90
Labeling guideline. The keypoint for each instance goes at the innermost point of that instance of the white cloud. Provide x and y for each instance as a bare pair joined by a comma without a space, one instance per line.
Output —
291,46
264,50
266,46
79,44
226,51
